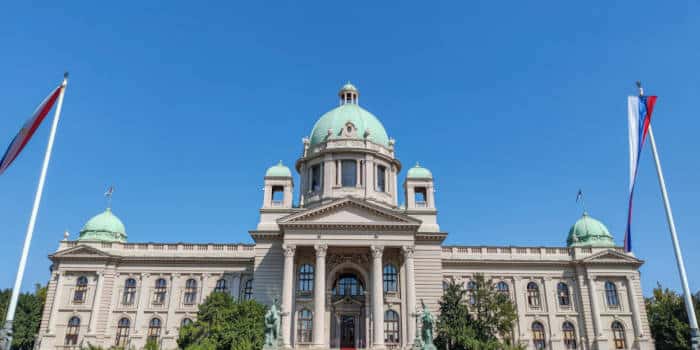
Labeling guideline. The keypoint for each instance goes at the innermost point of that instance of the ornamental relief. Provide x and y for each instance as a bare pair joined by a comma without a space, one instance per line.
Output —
334,260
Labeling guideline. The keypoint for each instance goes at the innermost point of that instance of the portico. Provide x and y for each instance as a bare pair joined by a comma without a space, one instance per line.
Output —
360,286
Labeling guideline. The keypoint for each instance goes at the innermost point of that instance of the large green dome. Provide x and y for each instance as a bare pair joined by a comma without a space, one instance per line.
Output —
337,118
104,227
589,232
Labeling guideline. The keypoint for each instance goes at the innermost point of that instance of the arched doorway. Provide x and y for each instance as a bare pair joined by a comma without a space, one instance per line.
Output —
349,308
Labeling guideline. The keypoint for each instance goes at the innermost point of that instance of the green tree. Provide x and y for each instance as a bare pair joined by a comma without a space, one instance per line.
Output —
27,316
480,318
668,319
225,324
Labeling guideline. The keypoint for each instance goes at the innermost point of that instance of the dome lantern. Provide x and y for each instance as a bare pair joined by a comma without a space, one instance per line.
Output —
348,94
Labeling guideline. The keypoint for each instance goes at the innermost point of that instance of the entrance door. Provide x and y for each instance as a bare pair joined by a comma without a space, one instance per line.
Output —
347,332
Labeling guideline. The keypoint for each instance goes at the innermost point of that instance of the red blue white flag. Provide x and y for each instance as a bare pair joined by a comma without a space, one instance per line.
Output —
29,128
639,110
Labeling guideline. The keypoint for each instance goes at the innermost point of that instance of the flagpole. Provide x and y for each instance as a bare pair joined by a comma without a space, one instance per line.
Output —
6,342
694,336
690,309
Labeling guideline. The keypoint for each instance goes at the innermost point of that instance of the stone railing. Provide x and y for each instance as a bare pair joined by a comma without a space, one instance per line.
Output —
518,253
166,248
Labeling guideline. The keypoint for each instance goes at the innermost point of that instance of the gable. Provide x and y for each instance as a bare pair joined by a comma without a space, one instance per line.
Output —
349,211
612,256
82,251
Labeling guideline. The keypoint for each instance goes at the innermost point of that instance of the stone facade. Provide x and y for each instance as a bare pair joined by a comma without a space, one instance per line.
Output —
348,263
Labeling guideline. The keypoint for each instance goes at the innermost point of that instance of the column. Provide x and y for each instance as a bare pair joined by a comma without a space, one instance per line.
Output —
319,330
287,287
634,306
377,297
595,309
408,253
96,302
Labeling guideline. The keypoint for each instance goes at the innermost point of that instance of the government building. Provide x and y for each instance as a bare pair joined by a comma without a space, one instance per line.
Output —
350,261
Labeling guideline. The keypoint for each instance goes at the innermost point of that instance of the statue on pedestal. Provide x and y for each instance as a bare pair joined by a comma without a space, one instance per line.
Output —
272,326
427,328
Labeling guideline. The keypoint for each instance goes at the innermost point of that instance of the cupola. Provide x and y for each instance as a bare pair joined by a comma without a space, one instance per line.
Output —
105,227
349,94
589,232
419,188
278,187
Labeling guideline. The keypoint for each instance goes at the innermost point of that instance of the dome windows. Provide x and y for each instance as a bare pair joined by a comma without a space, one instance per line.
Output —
348,174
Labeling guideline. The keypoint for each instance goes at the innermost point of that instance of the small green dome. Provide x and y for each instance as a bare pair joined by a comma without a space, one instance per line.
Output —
419,172
367,126
278,170
348,87
104,227
589,232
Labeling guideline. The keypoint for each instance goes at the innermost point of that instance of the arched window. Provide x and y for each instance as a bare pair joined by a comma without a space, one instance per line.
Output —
221,286
611,294
471,291
190,291
129,296
391,327
160,291
533,295
502,287
538,336
154,330
306,278
80,290
348,285
618,331
72,331
306,326
563,294
390,278
248,290
569,334
123,332
185,322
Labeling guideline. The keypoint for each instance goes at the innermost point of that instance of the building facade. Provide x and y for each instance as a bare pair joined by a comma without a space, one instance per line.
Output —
349,265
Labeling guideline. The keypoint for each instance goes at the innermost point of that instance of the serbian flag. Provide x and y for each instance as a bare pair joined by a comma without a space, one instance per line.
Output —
29,128
639,109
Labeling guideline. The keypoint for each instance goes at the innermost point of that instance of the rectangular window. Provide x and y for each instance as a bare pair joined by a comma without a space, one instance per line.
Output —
421,197
349,173
381,178
316,178
277,195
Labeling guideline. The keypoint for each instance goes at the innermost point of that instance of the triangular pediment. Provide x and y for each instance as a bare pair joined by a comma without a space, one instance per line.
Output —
349,211
611,256
82,251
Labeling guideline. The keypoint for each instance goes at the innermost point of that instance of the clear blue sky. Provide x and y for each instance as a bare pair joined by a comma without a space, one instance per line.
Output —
513,108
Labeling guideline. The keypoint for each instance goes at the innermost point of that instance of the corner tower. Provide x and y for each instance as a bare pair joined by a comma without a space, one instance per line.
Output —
348,154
